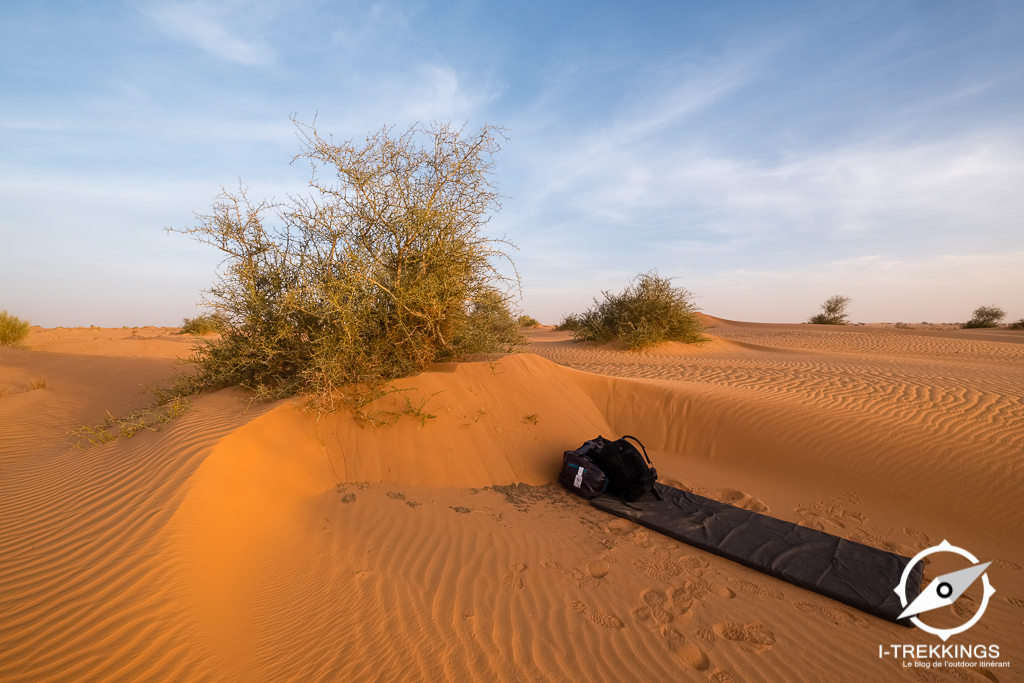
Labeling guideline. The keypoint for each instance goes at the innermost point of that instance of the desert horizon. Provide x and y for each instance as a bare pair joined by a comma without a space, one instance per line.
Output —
259,541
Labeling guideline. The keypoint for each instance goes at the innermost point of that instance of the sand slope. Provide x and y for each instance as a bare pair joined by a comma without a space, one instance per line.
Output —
259,543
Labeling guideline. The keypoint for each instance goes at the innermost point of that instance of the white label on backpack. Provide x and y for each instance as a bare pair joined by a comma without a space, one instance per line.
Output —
579,477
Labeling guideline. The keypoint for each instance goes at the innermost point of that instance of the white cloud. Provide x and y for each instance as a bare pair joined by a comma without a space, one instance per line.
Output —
203,25
437,93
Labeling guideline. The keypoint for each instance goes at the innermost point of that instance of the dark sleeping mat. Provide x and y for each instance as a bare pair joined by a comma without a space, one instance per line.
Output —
849,572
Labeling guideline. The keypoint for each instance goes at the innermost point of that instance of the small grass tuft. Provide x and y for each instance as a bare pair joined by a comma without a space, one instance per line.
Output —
532,419
153,419
13,329
37,383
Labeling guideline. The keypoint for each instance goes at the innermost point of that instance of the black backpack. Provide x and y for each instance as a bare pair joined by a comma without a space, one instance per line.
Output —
617,467
580,473
630,475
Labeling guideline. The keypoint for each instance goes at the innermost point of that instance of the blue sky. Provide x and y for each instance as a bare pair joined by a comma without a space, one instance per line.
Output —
766,154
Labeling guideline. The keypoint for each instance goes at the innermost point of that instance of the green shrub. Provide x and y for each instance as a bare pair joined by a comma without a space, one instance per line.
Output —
13,330
570,323
985,316
205,323
383,270
527,321
833,312
648,311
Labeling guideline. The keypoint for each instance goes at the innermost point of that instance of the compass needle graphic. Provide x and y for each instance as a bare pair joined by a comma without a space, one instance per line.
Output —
945,590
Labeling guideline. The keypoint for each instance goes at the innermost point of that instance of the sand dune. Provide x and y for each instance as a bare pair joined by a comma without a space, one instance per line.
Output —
256,542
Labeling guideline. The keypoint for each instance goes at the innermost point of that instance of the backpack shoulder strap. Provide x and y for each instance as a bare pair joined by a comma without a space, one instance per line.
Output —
627,436
654,489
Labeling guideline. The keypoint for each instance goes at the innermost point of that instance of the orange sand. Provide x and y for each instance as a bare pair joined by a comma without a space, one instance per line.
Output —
253,542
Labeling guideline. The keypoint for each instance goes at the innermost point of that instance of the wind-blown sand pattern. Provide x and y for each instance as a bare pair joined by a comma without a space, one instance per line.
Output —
255,543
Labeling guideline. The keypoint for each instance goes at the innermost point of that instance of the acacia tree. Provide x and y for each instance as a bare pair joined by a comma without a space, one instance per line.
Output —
833,311
382,269
986,316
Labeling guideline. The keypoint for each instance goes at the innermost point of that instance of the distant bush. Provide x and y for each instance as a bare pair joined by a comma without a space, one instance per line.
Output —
382,271
205,323
985,316
489,327
13,330
833,311
527,321
570,323
648,311
1019,325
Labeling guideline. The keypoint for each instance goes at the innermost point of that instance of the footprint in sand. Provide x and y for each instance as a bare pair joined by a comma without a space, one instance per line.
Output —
833,612
348,498
660,570
1016,602
742,499
879,538
693,565
395,495
755,635
722,591
705,634
599,568
621,527
754,589
641,538
680,601
663,568
819,519
848,497
652,611
964,607
686,650
1005,564
512,578
919,538
721,676
599,617
582,579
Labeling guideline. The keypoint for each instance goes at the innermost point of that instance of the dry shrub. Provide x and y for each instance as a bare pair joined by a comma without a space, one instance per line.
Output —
985,316
13,329
647,312
833,311
570,323
381,270
528,321
203,324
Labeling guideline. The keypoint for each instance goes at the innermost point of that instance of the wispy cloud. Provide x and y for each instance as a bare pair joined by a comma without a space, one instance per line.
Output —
206,26
436,92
